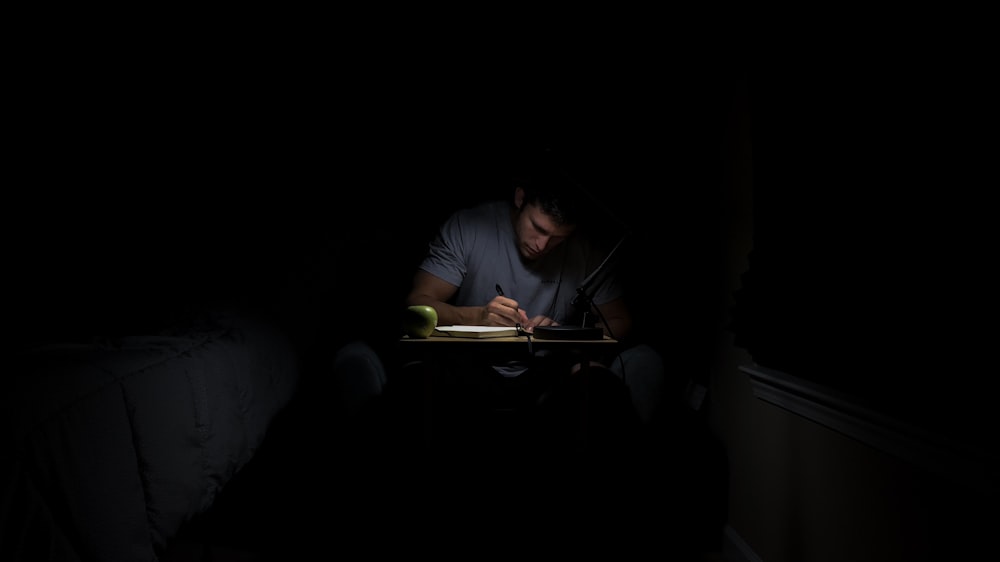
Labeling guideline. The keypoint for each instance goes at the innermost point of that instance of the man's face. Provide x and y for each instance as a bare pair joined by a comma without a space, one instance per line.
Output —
537,234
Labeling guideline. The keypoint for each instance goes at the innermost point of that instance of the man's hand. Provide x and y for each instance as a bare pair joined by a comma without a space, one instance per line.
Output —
503,311
538,321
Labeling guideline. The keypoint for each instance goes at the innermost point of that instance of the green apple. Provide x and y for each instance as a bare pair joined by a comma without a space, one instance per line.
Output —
419,320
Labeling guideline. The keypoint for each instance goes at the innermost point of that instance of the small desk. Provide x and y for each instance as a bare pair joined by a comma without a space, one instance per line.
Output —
439,350
510,347
435,348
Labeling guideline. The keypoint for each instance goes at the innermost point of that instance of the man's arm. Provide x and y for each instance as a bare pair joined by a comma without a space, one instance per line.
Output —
435,292
618,318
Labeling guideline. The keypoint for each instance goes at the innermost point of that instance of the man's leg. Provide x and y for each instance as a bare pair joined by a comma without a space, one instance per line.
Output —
641,368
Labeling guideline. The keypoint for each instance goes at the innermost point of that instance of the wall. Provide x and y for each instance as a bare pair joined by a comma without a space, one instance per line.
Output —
801,491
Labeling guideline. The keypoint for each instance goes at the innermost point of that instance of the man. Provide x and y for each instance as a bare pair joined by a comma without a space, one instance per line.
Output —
520,263
562,443
516,262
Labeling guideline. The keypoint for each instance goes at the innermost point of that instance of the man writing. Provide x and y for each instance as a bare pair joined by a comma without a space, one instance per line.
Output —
516,262
568,449
520,262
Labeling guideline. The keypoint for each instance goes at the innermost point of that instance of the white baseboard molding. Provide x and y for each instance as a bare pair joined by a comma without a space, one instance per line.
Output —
838,412
735,549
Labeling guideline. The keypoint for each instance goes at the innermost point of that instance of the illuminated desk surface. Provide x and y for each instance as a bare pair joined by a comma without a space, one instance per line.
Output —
507,341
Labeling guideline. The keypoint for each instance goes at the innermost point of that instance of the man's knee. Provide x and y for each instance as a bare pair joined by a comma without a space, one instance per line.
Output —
360,375
642,369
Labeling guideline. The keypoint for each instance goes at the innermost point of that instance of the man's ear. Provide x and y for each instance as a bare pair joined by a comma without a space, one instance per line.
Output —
518,197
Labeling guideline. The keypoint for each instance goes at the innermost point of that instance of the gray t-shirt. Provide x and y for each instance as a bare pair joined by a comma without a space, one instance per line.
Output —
475,250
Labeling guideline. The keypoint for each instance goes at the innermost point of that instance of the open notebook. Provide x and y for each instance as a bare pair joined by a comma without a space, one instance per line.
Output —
475,331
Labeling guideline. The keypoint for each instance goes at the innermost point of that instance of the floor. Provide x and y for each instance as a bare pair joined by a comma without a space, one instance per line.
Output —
311,489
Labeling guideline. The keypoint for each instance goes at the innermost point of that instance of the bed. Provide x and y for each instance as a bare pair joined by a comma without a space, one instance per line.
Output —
117,443
148,352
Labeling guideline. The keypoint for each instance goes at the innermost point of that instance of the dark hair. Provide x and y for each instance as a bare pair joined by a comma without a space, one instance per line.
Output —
555,191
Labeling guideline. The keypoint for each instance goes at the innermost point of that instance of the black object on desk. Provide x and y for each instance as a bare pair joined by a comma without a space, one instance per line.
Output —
568,333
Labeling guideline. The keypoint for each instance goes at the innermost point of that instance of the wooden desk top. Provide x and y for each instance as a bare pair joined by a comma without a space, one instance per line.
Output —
508,340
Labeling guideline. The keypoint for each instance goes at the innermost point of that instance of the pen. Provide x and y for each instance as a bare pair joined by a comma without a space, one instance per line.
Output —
500,292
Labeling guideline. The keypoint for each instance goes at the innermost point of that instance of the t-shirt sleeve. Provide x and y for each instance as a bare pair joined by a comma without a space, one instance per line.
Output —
610,290
445,253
